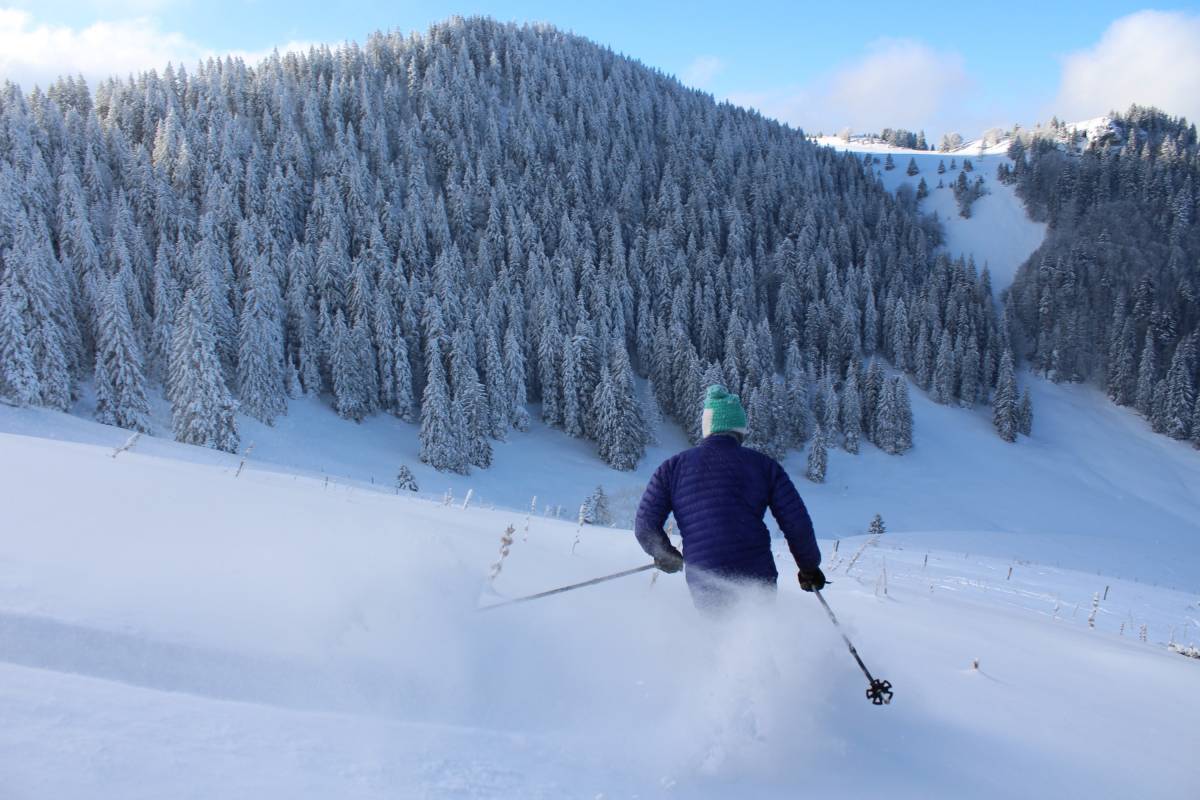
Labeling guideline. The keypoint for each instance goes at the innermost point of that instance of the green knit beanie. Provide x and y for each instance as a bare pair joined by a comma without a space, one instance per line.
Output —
723,412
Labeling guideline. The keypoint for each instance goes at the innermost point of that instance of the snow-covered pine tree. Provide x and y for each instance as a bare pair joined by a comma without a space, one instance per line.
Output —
349,393
18,381
899,338
1025,414
1158,406
441,437
885,437
969,384
551,375
572,378
817,458
796,411
164,301
877,527
1147,377
1004,404
1181,392
261,385
904,416
632,442
617,421
1122,374
872,391
405,480
499,398
652,415
889,163
913,169
851,410
48,318
122,402
596,510
470,400
831,413
202,408
607,423
514,367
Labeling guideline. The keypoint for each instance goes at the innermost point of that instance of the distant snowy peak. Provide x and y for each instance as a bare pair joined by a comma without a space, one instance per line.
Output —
983,146
994,141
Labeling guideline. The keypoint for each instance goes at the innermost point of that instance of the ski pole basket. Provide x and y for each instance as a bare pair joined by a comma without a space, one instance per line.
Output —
879,692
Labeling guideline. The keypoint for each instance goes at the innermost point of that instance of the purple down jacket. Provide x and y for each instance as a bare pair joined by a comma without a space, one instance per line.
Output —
719,491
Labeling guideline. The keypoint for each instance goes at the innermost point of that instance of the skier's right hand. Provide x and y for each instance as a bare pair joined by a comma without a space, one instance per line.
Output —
669,561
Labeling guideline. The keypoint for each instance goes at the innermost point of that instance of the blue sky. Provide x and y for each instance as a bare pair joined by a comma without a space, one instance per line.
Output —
825,65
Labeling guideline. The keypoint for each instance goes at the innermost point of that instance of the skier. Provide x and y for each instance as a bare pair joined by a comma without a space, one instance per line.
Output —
719,492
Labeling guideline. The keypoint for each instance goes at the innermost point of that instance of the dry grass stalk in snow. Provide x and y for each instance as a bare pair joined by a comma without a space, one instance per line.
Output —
129,443
532,509
579,527
505,544
242,463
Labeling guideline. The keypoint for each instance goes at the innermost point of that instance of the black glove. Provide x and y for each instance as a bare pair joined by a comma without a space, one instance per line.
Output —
669,561
812,580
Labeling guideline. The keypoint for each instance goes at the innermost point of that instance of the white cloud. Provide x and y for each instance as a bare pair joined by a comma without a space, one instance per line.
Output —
1148,58
37,53
897,83
701,71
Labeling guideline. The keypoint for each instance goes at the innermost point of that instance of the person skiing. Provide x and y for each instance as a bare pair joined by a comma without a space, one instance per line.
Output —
719,492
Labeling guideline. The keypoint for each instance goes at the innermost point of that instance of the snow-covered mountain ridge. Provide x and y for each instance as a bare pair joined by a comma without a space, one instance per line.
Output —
994,142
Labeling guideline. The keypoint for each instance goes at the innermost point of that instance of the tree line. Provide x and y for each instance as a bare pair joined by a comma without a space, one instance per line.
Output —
458,227
1113,294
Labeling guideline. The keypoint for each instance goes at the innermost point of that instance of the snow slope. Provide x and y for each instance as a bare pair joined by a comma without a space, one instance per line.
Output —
178,630
998,234
1093,489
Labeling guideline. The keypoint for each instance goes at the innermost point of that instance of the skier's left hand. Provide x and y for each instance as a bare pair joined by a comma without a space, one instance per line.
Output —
812,580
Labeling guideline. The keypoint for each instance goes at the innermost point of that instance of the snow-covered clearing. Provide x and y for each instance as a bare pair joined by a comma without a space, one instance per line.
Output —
998,233
175,630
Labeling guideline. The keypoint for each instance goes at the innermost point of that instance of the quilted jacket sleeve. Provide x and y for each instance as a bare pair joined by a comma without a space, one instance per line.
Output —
653,512
789,511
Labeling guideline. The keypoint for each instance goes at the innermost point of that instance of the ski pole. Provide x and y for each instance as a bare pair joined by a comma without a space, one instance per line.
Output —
879,692
562,589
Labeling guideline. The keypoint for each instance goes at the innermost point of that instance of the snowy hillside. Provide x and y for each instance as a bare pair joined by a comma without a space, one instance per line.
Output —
480,251
177,630
998,234
1089,490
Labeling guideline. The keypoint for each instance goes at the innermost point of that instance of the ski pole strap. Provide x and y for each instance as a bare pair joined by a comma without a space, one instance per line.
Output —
562,589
